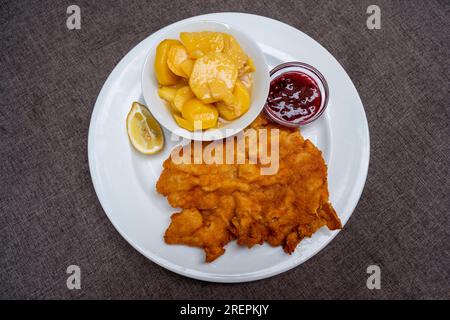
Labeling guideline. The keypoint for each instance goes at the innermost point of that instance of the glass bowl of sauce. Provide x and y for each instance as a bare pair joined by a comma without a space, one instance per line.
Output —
298,94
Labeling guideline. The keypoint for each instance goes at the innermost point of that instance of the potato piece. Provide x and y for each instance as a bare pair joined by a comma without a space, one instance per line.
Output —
247,81
239,107
164,75
208,68
187,66
167,93
234,50
200,114
182,95
220,91
176,56
183,83
226,111
249,67
200,43
183,123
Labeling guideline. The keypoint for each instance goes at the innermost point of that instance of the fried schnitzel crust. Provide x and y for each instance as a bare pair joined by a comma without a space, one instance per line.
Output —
222,202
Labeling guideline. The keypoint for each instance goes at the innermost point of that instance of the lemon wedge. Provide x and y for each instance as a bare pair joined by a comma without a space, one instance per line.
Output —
143,130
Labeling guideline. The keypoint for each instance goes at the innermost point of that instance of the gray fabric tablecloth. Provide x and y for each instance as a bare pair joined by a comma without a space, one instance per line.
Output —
51,218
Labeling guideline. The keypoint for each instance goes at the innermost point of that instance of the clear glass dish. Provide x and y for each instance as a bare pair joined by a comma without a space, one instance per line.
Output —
315,75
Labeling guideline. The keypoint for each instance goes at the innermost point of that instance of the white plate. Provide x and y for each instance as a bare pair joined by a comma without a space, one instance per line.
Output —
125,180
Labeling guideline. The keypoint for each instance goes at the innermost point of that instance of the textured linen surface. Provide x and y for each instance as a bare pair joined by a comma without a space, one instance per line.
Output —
50,215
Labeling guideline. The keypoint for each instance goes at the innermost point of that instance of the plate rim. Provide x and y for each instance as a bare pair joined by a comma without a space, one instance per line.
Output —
200,275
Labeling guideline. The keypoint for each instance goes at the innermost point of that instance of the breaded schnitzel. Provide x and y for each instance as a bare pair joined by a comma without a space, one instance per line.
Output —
222,202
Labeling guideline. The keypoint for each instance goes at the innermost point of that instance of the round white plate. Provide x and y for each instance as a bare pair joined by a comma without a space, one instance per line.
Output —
125,180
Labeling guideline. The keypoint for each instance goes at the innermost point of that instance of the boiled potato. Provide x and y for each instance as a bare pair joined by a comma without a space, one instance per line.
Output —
220,91
212,66
247,81
175,58
239,107
200,43
182,83
187,66
234,50
167,93
249,67
204,75
163,73
182,95
226,111
183,122
200,114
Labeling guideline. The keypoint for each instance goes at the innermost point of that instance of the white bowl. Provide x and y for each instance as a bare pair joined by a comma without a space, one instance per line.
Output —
261,83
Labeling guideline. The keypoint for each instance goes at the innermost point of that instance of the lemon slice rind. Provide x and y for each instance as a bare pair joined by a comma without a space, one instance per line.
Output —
152,134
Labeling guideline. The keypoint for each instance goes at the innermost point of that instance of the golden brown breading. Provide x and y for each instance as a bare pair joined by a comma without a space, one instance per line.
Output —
222,202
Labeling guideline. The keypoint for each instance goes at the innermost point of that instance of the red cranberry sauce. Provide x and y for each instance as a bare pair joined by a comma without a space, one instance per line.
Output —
294,97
